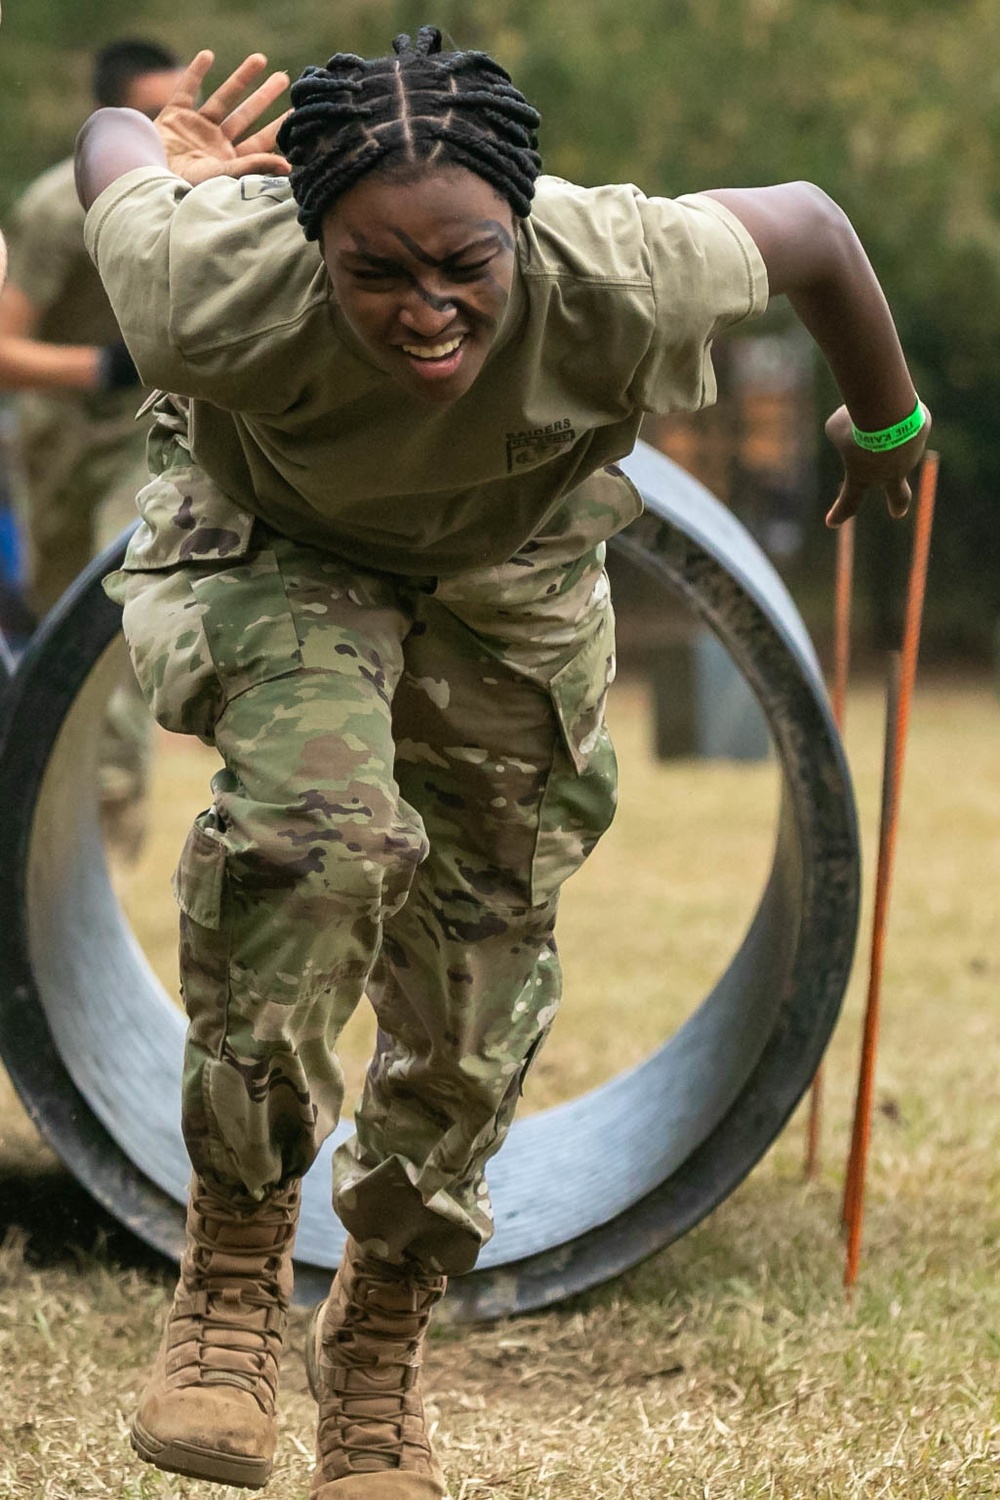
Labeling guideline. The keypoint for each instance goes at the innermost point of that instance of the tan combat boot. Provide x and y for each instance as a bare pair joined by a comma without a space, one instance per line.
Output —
363,1359
209,1408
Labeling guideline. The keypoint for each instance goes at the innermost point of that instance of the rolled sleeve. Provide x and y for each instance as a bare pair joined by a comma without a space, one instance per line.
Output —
214,286
127,234
708,276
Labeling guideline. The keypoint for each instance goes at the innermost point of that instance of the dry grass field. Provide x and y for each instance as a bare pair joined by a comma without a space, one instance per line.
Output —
730,1366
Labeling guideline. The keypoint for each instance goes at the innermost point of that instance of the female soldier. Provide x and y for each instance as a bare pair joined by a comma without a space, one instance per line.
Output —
370,571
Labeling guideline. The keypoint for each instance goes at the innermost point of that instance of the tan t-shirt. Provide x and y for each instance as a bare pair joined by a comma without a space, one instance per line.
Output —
616,301
50,265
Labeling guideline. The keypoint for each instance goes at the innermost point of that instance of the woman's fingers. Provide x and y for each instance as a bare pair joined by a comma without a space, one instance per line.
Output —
227,96
265,163
247,113
185,95
846,504
203,142
264,140
898,497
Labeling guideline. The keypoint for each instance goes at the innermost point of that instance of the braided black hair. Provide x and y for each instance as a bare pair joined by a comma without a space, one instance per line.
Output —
406,112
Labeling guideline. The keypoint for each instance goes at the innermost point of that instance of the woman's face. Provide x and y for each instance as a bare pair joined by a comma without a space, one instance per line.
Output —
422,272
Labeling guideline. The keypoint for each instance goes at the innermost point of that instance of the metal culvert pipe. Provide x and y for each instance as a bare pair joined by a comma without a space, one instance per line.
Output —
581,1191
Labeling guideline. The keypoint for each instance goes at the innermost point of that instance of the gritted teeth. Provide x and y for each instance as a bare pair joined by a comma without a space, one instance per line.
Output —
432,351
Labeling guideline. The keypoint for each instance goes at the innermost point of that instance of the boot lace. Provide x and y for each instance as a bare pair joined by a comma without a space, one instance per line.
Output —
232,1304
371,1366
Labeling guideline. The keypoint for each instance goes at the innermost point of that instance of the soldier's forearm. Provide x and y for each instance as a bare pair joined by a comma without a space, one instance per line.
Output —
27,364
813,255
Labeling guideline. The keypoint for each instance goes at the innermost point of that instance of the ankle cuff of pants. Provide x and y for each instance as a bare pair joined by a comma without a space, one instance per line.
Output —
385,1214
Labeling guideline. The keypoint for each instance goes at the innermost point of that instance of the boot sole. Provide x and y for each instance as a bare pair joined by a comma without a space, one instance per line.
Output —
312,1350
199,1463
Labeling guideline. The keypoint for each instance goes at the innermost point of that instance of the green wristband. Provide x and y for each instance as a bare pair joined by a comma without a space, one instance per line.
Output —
891,437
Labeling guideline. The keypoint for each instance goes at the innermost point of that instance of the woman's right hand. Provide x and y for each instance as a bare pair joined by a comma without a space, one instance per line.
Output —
209,140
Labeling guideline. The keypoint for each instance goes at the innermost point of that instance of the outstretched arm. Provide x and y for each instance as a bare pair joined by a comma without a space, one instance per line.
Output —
196,142
28,363
814,256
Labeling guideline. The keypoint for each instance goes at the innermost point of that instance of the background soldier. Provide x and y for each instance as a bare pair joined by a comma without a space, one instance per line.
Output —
81,453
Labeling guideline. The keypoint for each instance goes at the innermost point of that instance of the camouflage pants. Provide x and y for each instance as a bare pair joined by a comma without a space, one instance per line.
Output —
411,770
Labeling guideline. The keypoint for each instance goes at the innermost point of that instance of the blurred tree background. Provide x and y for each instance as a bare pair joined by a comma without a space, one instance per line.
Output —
893,108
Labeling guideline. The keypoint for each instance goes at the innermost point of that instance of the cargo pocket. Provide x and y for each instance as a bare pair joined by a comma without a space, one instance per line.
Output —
170,655
199,879
580,689
578,803
188,527
199,637
247,623
183,518
199,885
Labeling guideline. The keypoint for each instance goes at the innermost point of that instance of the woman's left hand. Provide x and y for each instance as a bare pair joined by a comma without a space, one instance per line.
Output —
864,470
203,141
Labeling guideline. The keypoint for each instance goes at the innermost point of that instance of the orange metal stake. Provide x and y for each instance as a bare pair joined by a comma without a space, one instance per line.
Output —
903,669
842,620
861,1136
843,580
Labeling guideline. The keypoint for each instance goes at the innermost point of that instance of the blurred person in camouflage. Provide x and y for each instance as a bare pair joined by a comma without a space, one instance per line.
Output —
370,572
3,242
81,452
8,592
